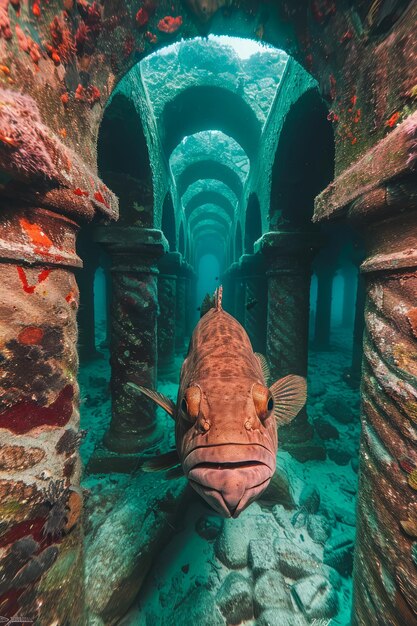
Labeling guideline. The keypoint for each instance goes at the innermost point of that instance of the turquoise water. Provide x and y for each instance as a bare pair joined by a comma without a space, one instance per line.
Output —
216,142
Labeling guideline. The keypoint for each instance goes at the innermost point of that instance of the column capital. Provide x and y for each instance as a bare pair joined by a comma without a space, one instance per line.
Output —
252,264
38,236
170,263
280,243
288,251
73,189
131,248
370,186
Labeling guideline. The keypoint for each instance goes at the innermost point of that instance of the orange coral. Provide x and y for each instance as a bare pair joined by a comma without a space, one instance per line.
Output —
391,122
170,24
63,46
5,30
27,44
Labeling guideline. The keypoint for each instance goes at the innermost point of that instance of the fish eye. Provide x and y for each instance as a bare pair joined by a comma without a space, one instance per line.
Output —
270,404
184,405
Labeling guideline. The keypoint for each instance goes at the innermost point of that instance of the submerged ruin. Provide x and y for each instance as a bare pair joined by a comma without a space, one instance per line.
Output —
149,153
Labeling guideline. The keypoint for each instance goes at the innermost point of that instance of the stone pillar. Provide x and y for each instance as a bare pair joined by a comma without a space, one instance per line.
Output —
325,270
238,292
180,310
190,301
228,291
89,254
288,256
352,375
379,193
167,296
256,299
349,274
385,576
41,556
134,253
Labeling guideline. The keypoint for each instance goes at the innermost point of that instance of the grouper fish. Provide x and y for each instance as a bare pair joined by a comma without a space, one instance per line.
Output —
226,417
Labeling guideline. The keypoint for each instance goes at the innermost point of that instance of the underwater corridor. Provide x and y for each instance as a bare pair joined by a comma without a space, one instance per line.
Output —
208,317
231,153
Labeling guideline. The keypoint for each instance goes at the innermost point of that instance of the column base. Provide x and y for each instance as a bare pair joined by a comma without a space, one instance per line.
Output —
131,442
106,461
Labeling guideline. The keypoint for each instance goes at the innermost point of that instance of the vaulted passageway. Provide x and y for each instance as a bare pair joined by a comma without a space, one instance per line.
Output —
279,162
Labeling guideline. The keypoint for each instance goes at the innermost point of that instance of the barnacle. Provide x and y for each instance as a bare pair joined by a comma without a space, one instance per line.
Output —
56,497
70,441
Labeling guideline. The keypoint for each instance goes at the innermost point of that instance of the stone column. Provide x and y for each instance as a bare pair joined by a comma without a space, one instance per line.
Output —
288,256
180,310
89,253
238,292
379,192
228,291
349,274
256,299
352,375
325,270
134,253
41,556
385,575
167,296
190,301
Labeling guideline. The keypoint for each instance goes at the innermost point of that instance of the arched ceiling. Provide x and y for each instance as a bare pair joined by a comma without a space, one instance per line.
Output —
205,108
200,170
210,197
209,212
210,226
210,144
209,185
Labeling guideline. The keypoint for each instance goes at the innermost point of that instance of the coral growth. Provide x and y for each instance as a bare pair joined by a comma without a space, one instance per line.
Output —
56,498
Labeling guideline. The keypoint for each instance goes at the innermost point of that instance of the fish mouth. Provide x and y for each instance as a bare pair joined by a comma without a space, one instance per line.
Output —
229,486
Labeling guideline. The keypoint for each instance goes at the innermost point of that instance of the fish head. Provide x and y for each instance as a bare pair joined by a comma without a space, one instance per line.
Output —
227,442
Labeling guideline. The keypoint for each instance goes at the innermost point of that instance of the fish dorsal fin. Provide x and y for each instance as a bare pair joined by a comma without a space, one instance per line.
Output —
264,366
166,403
290,394
218,295
162,462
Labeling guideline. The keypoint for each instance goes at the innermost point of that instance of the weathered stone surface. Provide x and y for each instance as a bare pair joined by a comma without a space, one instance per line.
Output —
272,617
325,429
345,515
262,557
310,499
231,546
124,539
198,608
338,553
271,591
316,597
296,563
306,451
19,458
340,453
318,527
338,408
316,388
235,598
209,526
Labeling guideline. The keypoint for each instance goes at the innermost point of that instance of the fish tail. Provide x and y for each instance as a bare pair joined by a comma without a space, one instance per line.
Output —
218,295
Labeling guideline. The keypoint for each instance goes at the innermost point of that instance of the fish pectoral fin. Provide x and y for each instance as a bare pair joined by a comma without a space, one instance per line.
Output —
290,394
164,402
162,462
264,366
279,491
